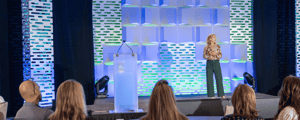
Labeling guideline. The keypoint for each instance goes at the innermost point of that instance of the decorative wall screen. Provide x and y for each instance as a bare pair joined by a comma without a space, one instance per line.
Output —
38,46
169,37
297,5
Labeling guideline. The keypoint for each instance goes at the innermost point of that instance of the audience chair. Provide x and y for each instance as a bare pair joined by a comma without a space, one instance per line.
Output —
3,108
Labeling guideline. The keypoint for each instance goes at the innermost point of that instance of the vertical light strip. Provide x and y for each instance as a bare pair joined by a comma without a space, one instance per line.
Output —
107,27
26,40
38,46
241,24
297,5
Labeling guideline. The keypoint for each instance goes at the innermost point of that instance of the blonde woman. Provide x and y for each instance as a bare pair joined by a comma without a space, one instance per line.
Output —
70,102
212,52
244,104
162,104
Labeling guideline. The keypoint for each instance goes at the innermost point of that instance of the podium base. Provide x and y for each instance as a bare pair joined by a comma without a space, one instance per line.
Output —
139,110
101,96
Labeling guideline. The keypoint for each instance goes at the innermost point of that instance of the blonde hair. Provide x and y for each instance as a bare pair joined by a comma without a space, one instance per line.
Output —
244,102
70,102
162,105
209,39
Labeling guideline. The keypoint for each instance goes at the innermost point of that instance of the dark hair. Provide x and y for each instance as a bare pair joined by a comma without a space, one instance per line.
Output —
290,95
162,104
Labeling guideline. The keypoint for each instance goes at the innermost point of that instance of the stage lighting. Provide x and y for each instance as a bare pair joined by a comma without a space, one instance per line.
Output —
249,80
102,83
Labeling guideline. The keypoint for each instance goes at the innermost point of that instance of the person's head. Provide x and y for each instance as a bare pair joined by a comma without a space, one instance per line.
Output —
244,102
30,91
290,95
163,103
211,39
70,102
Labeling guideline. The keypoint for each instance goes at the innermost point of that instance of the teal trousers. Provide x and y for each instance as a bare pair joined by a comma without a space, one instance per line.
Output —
213,66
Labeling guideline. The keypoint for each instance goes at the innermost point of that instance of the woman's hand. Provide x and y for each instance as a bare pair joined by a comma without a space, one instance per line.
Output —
213,53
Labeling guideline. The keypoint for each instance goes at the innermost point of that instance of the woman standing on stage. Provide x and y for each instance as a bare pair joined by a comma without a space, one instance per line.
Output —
212,52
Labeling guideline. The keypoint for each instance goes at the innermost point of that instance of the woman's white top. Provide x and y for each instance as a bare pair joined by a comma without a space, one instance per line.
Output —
1,99
288,113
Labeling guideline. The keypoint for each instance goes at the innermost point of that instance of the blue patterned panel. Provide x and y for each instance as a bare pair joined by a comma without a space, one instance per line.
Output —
297,36
38,46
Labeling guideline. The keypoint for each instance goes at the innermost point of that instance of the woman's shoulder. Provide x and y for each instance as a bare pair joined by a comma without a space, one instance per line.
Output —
231,117
287,113
183,117
90,118
288,110
227,117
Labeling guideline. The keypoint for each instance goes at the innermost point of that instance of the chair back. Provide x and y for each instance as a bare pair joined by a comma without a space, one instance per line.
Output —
229,110
3,108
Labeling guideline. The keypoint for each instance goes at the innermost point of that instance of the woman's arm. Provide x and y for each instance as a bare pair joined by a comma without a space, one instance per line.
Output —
287,113
205,53
219,52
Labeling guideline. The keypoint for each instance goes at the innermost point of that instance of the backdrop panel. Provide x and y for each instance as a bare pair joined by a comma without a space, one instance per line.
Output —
73,43
170,35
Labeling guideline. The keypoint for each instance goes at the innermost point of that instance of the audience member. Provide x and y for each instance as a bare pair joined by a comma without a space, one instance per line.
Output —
162,104
30,110
244,104
2,99
3,107
1,116
289,106
70,102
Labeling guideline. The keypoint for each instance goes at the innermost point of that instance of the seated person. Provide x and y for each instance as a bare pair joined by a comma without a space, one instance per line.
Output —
1,116
30,110
289,106
1,99
4,107
162,105
244,104
70,102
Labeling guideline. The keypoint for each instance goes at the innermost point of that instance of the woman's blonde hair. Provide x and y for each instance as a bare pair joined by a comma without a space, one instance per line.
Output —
209,39
162,104
244,102
70,102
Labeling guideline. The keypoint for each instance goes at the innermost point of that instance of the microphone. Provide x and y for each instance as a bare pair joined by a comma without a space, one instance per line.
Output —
124,42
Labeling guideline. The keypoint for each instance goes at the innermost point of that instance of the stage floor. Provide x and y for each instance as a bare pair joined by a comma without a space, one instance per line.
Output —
102,106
